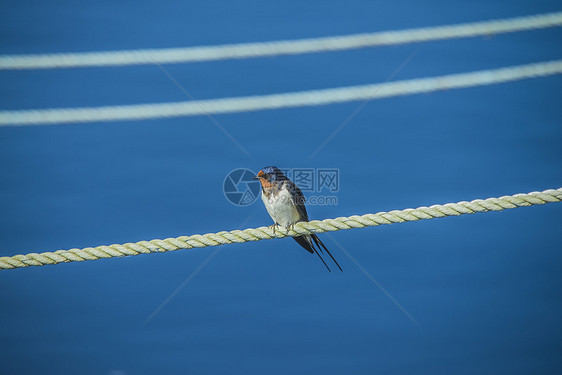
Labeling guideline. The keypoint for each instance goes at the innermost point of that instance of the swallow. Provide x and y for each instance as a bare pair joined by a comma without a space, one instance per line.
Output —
285,203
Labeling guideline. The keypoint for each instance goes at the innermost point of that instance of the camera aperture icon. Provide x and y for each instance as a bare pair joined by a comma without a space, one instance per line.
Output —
240,188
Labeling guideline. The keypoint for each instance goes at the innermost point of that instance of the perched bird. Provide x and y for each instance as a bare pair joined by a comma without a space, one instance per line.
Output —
284,202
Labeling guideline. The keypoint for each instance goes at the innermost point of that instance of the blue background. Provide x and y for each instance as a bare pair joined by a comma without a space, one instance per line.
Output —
483,289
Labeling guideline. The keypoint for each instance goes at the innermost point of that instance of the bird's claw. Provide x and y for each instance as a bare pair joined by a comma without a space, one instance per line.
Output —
273,227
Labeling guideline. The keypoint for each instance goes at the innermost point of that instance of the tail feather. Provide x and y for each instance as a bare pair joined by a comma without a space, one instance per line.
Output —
318,243
304,243
308,245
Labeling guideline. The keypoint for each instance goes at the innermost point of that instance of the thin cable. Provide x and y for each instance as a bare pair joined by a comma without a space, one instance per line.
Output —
278,101
281,47
211,117
362,105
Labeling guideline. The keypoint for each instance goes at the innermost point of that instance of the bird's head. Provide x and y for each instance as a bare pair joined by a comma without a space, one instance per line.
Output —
269,175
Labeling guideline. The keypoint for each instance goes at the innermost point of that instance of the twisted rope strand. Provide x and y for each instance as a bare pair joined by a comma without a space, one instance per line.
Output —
265,233
281,47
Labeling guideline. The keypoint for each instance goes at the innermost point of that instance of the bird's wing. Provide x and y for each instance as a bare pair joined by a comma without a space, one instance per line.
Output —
298,199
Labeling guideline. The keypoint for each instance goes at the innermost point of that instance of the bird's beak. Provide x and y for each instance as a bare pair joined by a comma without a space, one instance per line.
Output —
259,176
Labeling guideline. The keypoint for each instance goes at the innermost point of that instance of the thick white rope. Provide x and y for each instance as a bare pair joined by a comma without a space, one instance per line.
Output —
266,233
277,101
282,47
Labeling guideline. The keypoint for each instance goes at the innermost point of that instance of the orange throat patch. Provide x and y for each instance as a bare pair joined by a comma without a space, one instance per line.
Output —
265,184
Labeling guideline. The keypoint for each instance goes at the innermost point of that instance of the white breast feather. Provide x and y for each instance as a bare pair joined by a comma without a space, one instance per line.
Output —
281,208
